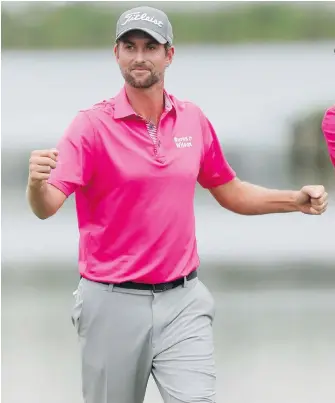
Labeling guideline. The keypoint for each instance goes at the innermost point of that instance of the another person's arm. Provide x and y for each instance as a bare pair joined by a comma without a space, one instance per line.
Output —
245,198
55,174
328,128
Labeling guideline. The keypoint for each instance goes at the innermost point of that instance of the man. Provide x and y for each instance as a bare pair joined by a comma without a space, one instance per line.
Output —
133,162
328,128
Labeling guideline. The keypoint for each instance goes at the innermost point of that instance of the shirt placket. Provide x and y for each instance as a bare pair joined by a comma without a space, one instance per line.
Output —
153,130
153,133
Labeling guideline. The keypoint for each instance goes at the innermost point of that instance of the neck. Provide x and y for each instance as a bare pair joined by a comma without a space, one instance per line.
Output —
147,102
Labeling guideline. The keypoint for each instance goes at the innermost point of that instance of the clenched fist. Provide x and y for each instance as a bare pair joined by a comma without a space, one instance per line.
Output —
41,163
312,200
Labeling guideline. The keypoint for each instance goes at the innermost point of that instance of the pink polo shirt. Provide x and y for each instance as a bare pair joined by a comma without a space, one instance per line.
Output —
134,195
328,128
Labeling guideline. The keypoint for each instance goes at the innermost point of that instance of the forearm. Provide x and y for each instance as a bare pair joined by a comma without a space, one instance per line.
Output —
259,200
248,199
41,200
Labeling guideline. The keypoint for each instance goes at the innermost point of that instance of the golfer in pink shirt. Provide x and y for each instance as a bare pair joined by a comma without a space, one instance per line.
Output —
133,162
328,128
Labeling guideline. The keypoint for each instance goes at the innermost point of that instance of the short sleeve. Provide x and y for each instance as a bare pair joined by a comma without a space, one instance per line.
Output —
215,169
75,159
328,128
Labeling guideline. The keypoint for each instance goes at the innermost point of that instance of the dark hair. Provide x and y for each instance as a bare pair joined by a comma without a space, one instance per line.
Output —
167,46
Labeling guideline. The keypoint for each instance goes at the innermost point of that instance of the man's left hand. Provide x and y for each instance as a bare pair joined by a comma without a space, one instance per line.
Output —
312,200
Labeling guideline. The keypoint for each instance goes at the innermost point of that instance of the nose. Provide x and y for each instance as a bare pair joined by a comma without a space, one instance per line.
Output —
139,57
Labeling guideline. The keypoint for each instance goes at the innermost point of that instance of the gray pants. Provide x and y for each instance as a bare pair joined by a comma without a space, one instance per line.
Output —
127,334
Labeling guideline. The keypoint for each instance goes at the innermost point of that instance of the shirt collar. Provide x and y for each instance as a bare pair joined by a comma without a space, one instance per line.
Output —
123,108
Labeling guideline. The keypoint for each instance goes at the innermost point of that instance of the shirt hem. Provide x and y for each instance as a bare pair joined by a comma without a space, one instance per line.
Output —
219,182
60,186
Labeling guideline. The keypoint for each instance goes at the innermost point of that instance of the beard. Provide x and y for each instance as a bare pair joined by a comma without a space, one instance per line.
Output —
141,82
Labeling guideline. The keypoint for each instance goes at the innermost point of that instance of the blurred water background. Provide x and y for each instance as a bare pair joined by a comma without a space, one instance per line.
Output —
273,277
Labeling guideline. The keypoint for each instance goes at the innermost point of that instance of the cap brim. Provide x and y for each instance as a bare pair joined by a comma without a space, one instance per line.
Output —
159,38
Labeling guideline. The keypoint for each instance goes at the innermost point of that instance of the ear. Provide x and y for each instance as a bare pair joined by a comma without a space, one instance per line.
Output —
169,56
116,52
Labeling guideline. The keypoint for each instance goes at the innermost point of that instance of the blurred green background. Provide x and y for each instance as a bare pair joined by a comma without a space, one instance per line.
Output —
264,75
90,25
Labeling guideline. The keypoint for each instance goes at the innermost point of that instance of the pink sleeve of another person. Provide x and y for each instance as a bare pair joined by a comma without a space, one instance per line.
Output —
215,169
75,159
328,128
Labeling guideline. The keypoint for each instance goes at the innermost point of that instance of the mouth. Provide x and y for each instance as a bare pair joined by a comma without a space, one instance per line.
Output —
140,69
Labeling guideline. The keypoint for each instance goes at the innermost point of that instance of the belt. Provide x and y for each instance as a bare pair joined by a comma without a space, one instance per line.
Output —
160,287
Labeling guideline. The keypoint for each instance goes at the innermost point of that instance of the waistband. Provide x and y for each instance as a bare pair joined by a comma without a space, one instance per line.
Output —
160,287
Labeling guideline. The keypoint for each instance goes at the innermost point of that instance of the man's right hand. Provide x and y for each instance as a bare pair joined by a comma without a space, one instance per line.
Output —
41,163
44,199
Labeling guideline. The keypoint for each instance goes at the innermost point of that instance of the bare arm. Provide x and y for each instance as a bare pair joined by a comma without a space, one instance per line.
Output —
248,199
43,198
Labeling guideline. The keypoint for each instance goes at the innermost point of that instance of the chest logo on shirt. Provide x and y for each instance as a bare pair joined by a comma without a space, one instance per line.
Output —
183,142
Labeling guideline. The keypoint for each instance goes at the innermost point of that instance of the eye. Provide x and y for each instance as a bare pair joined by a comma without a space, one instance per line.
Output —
151,47
129,47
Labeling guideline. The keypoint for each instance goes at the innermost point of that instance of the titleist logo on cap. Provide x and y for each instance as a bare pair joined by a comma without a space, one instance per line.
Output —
144,17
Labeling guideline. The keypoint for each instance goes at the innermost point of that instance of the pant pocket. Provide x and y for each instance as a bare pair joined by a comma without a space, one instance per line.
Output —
77,306
208,299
